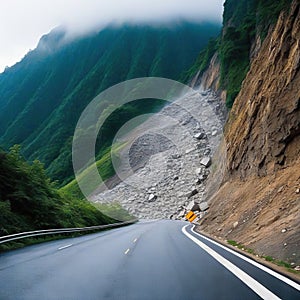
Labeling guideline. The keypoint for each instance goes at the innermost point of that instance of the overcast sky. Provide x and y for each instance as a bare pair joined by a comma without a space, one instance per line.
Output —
23,22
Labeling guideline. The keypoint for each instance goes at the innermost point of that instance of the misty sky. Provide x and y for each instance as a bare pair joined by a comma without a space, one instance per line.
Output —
23,22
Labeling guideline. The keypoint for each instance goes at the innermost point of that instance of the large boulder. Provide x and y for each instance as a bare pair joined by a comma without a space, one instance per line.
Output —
204,206
152,198
206,161
193,206
199,136
192,193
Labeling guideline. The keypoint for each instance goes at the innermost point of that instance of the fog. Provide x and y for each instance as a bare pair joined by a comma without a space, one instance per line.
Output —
24,22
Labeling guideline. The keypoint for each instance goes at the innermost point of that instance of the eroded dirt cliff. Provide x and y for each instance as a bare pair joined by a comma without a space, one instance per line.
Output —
258,204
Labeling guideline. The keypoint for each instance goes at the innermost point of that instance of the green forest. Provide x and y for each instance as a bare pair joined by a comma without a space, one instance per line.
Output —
30,200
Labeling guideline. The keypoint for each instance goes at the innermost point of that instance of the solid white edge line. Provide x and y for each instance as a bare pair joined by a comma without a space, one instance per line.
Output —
126,252
64,247
254,263
254,285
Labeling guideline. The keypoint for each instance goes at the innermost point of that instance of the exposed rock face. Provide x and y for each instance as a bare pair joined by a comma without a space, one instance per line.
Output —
210,79
262,145
263,133
255,47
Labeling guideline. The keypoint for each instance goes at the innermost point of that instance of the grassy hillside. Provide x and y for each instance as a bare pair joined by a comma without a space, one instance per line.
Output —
105,168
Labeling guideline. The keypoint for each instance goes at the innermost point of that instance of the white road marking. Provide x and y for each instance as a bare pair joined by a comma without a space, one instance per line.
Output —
126,252
135,240
64,247
254,263
254,285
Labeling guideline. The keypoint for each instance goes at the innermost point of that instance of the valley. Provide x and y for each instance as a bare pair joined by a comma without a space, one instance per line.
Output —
229,150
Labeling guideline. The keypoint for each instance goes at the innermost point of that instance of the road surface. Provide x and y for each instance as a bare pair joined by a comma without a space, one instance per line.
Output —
148,260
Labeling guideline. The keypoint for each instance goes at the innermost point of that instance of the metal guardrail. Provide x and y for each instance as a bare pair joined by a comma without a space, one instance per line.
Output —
23,235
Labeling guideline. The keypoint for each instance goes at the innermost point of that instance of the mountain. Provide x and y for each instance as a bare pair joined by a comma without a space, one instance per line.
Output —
257,205
42,97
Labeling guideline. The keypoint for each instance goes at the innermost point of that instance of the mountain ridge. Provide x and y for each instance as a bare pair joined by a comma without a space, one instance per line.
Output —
43,95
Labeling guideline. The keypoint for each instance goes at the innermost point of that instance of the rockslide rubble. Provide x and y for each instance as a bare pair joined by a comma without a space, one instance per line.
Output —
167,159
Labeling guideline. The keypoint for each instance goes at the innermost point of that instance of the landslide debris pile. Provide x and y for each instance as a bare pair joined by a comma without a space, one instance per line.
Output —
170,157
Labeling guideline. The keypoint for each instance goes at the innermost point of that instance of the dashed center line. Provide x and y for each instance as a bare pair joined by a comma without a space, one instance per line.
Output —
135,240
64,247
126,252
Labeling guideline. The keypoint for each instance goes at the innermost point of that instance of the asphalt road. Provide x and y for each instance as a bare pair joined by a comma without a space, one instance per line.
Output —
147,260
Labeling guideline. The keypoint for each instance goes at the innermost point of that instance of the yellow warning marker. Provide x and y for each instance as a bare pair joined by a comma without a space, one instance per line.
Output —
190,216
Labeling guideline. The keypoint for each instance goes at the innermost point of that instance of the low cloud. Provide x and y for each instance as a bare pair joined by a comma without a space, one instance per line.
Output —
23,22
93,14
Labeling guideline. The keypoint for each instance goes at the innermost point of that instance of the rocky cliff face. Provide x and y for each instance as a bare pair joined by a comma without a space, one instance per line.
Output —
211,77
259,202
263,133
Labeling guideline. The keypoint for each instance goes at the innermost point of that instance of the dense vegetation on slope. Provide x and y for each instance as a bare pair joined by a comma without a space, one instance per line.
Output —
243,21
202,61
42,97
29,200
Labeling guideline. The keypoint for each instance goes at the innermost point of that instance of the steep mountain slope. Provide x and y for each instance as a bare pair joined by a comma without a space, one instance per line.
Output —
41,97
258,204
245,25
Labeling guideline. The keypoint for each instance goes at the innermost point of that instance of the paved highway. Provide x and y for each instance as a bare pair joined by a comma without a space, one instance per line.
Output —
147,260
